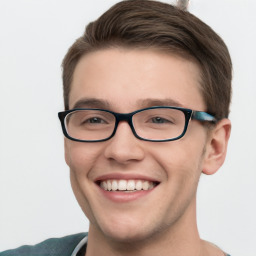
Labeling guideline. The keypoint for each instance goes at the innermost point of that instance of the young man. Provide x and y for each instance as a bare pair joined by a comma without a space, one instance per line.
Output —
147,92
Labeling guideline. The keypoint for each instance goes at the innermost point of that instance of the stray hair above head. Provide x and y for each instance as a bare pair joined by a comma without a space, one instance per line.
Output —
151,24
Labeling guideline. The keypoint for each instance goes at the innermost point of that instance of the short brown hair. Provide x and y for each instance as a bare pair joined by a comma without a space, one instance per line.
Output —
152,24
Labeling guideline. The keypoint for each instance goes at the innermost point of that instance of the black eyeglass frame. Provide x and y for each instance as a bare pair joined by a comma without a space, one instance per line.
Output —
189,114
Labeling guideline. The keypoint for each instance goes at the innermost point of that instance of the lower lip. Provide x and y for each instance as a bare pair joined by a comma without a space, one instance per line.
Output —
123,197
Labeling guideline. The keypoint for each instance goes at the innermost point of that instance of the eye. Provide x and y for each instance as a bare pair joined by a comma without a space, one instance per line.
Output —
159,120
95,120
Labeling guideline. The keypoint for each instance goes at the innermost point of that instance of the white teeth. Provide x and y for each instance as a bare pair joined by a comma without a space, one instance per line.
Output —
109,184
127,185
122,184
151,185
114,185
104,185
130,185
139,185
145,185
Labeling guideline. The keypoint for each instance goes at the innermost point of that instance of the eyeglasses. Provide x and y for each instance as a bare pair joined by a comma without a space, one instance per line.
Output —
150,124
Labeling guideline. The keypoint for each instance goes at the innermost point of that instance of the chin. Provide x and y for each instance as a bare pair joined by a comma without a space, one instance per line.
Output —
127,236
127,230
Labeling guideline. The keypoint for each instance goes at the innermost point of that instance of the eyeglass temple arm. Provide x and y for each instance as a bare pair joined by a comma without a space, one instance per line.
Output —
203,116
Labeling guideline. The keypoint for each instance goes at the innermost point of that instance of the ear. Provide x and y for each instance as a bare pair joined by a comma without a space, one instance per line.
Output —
216,147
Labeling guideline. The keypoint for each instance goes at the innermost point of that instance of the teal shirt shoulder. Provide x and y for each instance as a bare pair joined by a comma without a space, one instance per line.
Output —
51,247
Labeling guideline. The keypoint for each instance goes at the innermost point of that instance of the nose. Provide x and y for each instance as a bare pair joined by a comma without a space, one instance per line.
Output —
124,147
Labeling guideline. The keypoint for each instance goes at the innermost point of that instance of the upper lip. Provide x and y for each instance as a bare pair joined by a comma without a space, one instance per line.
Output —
124,176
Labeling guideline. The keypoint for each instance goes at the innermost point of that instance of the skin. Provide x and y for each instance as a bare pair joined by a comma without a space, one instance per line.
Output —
163,222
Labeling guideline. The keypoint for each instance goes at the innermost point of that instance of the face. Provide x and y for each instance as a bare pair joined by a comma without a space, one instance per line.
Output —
125,80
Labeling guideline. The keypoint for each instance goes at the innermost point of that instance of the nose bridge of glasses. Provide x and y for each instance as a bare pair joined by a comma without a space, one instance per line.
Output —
124,117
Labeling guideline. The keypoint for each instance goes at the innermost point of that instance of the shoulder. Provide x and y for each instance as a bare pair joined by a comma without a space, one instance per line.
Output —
51,247
211,249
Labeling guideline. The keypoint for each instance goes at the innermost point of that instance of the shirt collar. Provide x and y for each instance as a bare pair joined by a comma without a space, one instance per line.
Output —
79,246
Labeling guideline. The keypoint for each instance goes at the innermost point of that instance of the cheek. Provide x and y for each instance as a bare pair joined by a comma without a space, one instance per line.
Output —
180,155
80,157
78,184
181,163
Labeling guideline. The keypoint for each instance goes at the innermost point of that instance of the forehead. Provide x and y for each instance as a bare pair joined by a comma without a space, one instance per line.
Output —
127,79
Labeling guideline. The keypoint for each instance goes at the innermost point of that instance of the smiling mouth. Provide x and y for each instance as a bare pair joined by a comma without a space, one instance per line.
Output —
127,185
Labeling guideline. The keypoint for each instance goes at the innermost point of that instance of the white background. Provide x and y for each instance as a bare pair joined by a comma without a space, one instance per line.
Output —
36,201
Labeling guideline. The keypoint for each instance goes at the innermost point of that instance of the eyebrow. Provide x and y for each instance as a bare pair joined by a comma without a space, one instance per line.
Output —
91,103
159,102
103,104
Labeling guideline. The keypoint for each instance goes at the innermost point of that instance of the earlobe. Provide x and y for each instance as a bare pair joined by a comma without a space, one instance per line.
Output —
216,148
